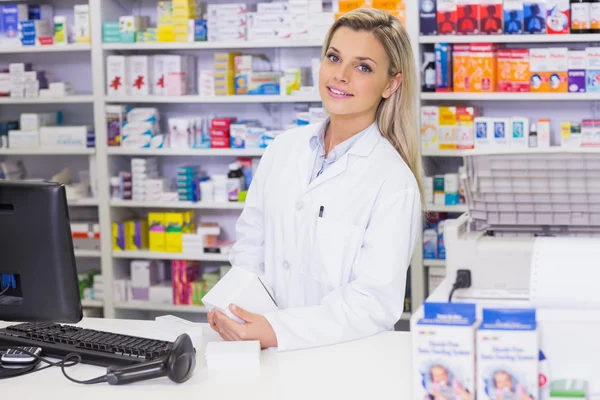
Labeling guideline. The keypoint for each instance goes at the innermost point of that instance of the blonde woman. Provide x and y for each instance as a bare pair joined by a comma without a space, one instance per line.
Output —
331,218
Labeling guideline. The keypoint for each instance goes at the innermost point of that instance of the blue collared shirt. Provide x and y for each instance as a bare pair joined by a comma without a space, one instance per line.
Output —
317,141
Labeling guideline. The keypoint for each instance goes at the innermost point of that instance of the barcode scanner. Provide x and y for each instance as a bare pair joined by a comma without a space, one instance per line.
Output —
179,366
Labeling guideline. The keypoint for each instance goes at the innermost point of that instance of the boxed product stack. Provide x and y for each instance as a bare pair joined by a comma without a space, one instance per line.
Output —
86,235
130,235
220,132
5,127
205,239
21,81
183,11
271,21
115,119
146,186
144,274
142,129
28,136
30,31
86,285
433,238
184,274
166,230
98,287
227,22
11,15
224,73
165,28
132,25
187,183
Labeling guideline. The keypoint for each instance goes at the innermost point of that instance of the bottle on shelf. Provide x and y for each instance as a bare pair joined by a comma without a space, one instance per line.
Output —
428,72
235,181
533,142
580,16
594,16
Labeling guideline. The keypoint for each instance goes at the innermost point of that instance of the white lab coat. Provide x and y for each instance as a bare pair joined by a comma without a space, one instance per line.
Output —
340,277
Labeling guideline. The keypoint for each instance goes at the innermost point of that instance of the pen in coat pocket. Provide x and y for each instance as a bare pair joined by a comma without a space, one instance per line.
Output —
321,211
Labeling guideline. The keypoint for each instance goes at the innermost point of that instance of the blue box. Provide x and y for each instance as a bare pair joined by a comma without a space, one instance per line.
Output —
534,17
10,16
428,17
513,17
200,30
37,11
443,67
592,80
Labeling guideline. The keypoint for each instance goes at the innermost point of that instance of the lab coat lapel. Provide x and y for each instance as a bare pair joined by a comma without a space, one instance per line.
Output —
307,159
334,170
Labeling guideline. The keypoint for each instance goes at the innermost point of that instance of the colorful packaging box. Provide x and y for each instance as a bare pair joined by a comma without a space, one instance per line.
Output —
443,67
447,16
136,235
491,17
461,68
513,17
502,132
543,133
558,68
505,73
444,352
520,69
577,67
157,231
118,236
447,128
465,129
558,17
140,74
468,17
482,69
593,70
173,232
430,120
117,75
534,14
538,66
484,132
519,132
428,17
507,355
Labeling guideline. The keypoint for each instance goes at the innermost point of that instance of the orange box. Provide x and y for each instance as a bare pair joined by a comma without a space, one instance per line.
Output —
505,72
539,75
350,5
461,61
520,69
389,5
482,71
465,130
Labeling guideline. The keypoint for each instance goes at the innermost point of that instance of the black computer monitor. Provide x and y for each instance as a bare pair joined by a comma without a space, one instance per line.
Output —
38,275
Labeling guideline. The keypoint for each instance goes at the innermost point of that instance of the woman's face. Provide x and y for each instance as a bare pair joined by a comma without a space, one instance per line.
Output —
354,74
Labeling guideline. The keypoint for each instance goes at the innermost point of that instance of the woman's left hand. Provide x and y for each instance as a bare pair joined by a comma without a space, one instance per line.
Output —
257,327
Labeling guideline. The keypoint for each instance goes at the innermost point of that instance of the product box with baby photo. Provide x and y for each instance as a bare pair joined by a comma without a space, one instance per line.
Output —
444,352
507,355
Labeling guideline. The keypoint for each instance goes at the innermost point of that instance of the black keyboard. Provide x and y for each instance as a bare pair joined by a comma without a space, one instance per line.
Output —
94,347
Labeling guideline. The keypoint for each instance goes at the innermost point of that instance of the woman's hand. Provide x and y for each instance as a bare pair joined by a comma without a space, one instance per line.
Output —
257,327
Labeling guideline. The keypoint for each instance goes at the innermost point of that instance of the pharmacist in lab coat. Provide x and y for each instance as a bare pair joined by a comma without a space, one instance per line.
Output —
332,215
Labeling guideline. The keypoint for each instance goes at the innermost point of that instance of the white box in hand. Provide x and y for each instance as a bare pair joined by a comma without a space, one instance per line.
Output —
242,288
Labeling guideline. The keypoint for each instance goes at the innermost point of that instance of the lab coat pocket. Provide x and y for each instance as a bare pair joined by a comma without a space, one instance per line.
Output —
335,246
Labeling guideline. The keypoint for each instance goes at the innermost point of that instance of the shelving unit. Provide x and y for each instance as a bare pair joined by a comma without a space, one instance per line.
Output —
191,99
47,152
460,208
92,303
183,205
539,105
155,255
48,100
46,49
124,151
221,45
88,253
84,203
576,38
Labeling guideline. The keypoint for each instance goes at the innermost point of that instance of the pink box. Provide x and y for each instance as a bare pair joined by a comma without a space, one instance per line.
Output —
219,143
176,84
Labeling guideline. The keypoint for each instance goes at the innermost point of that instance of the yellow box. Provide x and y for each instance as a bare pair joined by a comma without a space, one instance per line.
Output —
157,231
174,232
118,238
136,235
188,222
166,33
447,128
565,130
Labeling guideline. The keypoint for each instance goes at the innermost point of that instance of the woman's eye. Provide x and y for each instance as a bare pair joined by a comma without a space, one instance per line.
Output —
364,68
333,58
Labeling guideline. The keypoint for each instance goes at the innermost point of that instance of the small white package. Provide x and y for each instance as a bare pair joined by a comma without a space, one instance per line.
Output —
228,355
507,355
444,352
242,288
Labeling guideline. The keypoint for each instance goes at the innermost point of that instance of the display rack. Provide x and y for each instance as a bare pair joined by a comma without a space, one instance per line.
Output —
285,52
545,104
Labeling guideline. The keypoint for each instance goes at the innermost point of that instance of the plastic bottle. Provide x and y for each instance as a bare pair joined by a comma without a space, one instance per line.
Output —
595,16
533,140
235,181
580,16
428,71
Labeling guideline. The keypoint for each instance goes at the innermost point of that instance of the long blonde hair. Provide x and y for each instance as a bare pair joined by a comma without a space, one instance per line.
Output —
396,115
